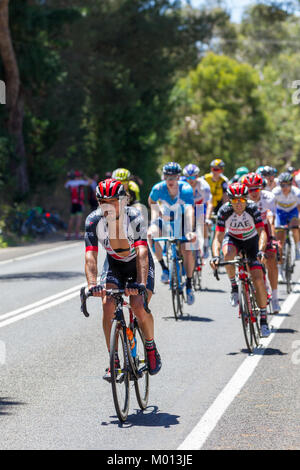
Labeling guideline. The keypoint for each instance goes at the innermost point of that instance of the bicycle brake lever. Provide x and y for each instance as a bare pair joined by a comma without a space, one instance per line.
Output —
216,274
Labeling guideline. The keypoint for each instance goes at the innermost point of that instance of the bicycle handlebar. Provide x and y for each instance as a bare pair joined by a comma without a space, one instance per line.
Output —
85,293
170,239
236,260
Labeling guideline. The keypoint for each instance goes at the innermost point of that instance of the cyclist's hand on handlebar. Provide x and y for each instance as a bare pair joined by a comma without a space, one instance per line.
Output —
135,289
97,291
214,262
208,222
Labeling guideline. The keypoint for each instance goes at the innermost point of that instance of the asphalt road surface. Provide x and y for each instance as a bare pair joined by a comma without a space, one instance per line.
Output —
210,394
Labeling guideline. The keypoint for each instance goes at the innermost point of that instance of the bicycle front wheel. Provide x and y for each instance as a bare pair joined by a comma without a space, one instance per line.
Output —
142,384
246,319
176,300
119,373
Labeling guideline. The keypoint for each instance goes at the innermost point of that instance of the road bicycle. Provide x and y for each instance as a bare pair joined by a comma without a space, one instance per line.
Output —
174,261
128,341
248,308
288,256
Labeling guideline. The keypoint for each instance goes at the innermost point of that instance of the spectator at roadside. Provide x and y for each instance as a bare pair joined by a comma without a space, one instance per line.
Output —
76,185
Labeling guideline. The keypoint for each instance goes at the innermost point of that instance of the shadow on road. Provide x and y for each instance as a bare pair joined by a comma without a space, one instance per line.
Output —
206,289
260,351
284,330
148,418
42,275
187,317
6,404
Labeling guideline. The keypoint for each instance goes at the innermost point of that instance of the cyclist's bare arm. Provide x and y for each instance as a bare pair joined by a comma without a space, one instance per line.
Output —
142,263
263,239
216,246
91,270
154,207
271,220
210,209
189,223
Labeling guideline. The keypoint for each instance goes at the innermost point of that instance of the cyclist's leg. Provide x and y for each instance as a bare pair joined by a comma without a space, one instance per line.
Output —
230,249
273,275
109,279
146,321
294,222
155,231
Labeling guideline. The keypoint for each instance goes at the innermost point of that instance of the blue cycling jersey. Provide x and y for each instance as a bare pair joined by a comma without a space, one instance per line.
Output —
172,209
168,205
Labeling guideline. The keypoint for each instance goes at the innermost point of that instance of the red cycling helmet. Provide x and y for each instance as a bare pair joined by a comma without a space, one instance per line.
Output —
252,180
237,190
109,189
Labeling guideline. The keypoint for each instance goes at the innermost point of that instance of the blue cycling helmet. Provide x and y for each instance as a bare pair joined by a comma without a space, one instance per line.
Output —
191,170
172,168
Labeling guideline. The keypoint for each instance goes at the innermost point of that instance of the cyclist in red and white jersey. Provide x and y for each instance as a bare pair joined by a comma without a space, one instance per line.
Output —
240,227
266,204
122,232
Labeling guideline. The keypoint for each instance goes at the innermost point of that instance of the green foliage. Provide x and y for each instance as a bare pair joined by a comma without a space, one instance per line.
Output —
217,102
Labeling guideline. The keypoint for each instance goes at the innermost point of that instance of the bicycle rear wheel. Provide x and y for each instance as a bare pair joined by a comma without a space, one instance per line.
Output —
246,319
142,384
119,376
288,269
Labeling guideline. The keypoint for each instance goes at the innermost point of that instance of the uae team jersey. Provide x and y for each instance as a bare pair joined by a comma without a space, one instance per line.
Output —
289,202
242,227
96,230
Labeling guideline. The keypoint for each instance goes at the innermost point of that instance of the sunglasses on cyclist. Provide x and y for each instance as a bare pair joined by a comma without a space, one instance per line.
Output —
285,185
193,178
254,190
171,178
107,201
237,200
216,169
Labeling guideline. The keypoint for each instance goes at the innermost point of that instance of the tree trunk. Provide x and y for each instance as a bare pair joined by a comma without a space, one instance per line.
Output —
14,99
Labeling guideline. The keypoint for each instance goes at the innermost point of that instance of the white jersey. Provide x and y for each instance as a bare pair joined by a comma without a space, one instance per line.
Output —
202,193
266,204
289,202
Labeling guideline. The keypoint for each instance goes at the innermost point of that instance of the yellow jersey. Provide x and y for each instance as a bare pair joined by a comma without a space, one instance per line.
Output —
217,188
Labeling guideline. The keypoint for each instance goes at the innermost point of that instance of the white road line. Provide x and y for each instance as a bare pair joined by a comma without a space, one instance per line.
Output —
196,439
29,310
40,302
38,253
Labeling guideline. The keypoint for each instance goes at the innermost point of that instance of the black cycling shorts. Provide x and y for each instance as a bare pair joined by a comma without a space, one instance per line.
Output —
250,247
118,272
